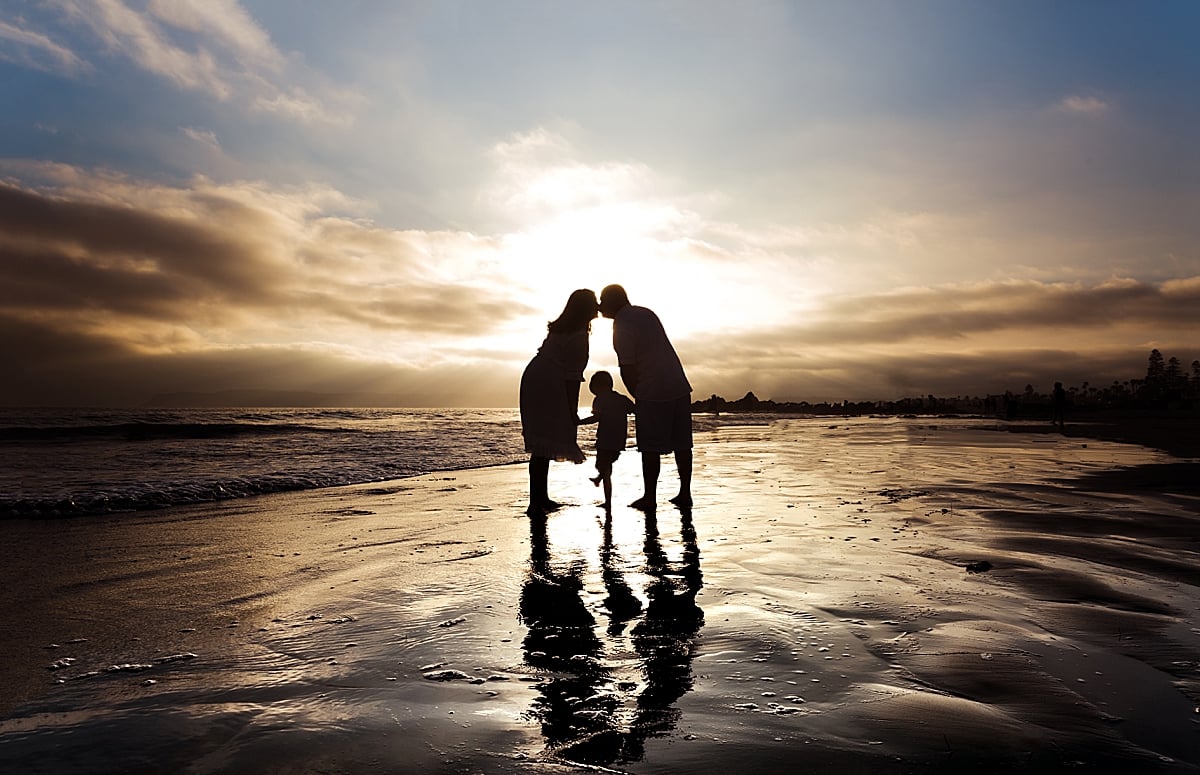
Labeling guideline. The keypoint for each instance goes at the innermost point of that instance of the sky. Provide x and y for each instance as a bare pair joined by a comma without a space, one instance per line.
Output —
387,201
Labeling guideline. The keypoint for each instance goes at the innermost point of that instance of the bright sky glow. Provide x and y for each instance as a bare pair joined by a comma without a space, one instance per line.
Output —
821,200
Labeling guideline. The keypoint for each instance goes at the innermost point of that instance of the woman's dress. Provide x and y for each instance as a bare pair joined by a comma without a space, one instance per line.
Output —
550,397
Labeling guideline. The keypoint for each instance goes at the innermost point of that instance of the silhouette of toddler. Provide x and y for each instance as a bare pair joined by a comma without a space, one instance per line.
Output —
610,411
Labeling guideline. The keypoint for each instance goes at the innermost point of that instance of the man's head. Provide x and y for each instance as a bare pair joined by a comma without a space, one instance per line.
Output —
612,299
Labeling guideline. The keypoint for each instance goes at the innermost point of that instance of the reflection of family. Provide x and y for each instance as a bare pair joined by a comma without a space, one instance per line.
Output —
651,372
597,704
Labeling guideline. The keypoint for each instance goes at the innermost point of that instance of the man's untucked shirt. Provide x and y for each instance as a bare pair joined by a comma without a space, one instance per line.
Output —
639,339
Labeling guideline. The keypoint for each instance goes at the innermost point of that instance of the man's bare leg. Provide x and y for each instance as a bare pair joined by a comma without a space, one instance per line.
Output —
683,461
650,468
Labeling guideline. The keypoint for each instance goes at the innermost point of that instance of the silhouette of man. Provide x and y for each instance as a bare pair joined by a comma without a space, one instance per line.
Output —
654,376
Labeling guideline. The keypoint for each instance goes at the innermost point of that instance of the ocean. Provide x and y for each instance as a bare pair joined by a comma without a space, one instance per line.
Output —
76,462
56,462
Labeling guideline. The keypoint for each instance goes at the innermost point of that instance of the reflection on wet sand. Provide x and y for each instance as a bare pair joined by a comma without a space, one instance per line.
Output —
606,695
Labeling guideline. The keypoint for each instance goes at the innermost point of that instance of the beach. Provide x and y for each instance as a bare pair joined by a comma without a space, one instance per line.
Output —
847,595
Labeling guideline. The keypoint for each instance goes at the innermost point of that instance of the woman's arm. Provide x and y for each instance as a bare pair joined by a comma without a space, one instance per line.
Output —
573,399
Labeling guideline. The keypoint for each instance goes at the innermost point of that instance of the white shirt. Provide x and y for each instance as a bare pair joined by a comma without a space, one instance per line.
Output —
640,341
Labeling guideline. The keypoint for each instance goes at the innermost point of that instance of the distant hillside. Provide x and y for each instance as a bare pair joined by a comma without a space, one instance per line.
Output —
269,399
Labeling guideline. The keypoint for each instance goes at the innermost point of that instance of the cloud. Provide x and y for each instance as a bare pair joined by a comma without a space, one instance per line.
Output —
538,174
211,47
983,316
113,289
53,367
235,262
166,288
32,49
953,311
225,23
1083,105
570,222
205,137
135,35
964,339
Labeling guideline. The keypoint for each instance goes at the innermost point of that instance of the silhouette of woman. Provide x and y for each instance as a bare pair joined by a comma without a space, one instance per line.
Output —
577,715
550,395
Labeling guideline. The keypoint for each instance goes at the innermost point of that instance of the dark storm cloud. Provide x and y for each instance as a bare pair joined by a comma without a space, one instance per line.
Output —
46,366
954,312
59,253
206,255
955,340
112,292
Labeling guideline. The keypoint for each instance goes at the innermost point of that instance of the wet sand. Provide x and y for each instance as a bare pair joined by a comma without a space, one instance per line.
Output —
853,596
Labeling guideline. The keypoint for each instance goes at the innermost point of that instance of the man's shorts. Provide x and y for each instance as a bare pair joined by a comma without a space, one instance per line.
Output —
664,426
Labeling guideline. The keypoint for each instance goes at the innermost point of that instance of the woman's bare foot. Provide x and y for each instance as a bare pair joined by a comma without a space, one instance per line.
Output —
683,500
643,504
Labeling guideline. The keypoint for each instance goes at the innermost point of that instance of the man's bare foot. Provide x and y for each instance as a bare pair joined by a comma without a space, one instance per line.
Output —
683,500
643,504
596,480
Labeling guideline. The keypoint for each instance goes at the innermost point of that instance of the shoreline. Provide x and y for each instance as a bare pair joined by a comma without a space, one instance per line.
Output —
1176,436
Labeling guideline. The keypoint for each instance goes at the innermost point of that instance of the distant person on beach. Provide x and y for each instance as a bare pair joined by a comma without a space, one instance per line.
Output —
1058,406
609,411
550,395
652,372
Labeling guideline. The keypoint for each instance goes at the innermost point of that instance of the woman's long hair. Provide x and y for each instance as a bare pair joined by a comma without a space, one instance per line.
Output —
578,315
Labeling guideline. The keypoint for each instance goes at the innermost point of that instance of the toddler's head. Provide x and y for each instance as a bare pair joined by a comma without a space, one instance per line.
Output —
601,382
